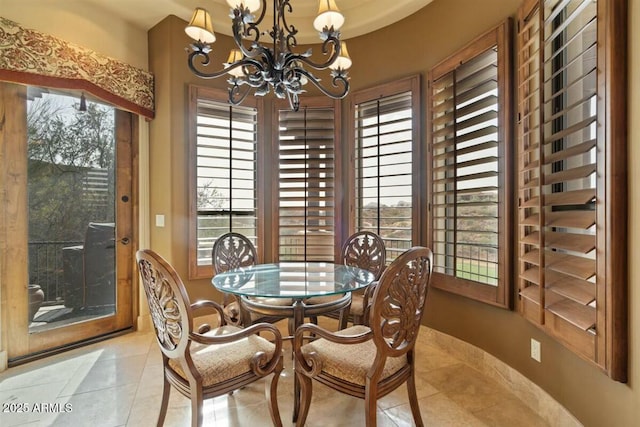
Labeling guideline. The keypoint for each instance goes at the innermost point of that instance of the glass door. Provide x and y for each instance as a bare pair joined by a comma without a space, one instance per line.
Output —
77,164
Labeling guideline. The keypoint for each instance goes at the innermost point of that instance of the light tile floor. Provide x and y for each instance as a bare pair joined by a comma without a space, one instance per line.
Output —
118,383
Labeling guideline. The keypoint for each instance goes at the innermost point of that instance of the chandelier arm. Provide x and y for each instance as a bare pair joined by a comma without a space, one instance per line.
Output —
204,61
304,57
246,62
339,79
254,80
236,97
244,23
294,101
263,12
239,34
215,74
291,29
256,49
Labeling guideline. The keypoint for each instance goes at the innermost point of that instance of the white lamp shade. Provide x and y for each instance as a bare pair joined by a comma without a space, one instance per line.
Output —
343,61
234,55
252,5
328,16
200,27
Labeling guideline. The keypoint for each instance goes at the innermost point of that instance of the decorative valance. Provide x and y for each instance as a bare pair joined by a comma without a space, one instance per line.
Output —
30,57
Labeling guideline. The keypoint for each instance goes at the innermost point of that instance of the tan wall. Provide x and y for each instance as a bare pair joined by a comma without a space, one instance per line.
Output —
168,142
81,23
411,46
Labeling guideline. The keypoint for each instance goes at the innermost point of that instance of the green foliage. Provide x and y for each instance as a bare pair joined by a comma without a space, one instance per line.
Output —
71,168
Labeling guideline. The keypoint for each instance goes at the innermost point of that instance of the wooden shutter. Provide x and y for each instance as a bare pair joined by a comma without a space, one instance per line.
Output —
306,194
224,172
563,171
469,152
384,129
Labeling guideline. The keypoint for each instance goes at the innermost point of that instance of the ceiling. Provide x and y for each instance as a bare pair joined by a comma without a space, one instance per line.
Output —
361,16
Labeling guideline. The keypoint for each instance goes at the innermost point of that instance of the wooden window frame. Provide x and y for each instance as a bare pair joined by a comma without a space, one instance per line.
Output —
500,295
605,345
196,92
408,84
310,103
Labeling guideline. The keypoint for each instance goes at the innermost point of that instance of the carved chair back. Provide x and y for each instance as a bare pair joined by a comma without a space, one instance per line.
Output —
232,250
168,304
399,301
366,250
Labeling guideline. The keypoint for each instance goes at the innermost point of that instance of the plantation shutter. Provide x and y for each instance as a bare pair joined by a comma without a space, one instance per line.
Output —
562,165
529,137
469,162
226,144
383,158
465,170
306,147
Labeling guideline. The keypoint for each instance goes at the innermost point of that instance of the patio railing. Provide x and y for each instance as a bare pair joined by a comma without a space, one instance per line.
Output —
45,268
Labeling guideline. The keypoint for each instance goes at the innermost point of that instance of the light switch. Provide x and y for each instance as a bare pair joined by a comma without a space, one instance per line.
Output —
159,220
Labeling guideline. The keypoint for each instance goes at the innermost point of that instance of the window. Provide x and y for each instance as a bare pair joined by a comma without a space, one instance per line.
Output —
387,153
306,146
469,152
572,176
223,179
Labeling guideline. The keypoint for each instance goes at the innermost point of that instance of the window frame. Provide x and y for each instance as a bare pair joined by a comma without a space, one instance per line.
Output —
318,102
500,295
410,84
217,95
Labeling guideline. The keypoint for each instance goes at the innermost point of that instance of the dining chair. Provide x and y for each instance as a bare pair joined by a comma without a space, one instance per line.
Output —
207,362
366,250
371,361
234,250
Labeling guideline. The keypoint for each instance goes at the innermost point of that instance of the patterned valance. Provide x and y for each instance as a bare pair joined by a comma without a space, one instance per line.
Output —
30,57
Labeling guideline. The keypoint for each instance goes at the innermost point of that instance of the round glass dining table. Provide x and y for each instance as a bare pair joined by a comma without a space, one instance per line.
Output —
305,283
314,288
297,280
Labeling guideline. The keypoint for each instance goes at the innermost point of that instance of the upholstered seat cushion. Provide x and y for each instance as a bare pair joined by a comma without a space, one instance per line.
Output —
351,362
220,362
285,303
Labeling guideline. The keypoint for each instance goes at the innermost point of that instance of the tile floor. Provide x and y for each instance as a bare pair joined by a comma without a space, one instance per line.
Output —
118,383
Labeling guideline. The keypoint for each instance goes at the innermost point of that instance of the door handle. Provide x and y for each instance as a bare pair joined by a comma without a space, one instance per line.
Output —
125,241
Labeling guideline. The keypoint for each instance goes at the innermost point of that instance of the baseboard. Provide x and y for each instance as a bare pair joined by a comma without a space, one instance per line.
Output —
4,361
143,323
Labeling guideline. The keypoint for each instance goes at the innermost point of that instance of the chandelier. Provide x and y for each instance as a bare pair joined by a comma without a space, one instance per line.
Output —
258,67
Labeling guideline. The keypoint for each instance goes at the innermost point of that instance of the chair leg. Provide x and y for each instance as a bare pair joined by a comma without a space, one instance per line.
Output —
413,399
166,389
291,330
271,393
306,389
370,405
343,319
357,320
196,406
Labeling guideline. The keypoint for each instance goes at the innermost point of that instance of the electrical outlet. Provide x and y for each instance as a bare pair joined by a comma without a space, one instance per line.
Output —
535,350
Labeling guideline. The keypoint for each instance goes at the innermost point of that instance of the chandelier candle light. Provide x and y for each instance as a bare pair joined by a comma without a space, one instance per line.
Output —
262,68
